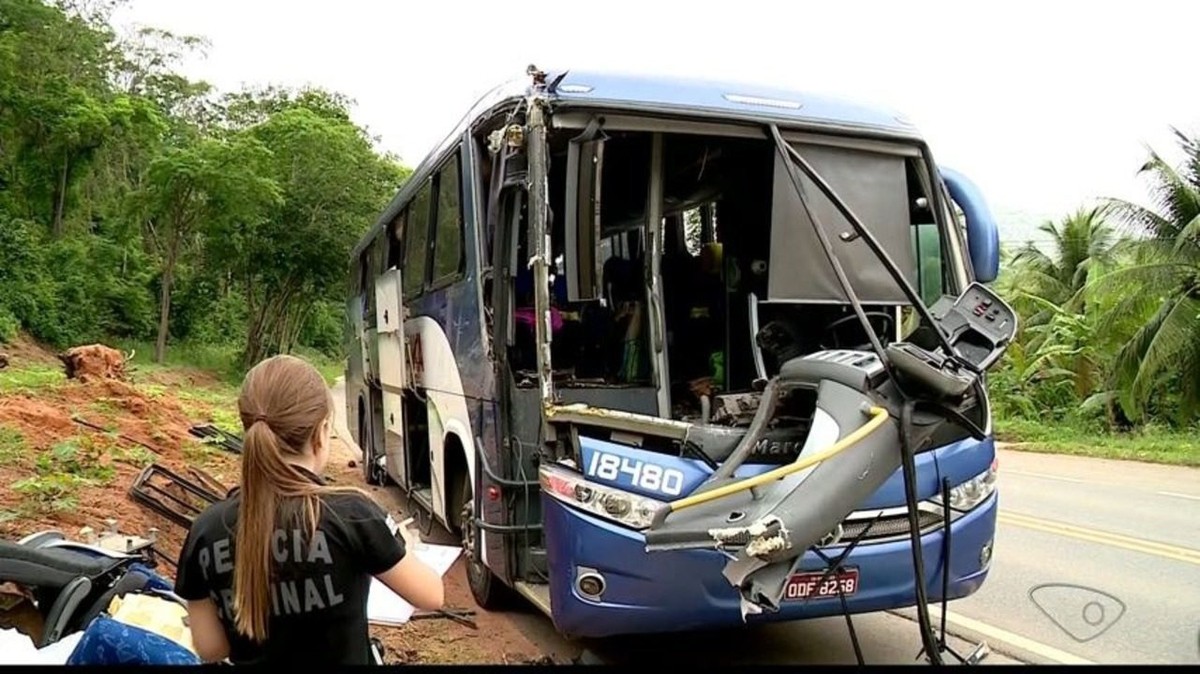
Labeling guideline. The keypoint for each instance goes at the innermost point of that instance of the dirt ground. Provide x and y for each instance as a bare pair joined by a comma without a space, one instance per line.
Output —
69,451
494,640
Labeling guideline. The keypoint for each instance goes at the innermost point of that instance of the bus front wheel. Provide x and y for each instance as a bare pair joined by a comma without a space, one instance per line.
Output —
487,589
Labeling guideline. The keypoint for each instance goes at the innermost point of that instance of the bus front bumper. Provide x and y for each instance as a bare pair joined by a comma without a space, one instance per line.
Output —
685,590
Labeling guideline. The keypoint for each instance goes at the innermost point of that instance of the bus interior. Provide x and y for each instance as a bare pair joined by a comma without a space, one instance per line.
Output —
745,284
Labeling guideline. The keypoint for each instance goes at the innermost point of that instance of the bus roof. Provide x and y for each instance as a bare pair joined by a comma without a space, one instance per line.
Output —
731,100
659,94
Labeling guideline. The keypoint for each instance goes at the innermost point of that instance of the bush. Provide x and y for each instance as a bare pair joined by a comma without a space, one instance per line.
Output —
9,325
74,290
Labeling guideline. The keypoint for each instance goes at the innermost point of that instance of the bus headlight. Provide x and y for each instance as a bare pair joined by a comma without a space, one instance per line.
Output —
971,493
611,504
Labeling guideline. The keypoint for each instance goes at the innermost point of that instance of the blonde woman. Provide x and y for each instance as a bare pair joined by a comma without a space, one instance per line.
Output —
280,570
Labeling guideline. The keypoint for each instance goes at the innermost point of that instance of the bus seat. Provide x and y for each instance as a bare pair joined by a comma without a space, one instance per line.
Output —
678,270
622,280
66,582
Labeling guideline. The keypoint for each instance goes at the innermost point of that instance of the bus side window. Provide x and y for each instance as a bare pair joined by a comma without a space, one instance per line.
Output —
396,241
927,246
926,236
416,243
448,244
365,284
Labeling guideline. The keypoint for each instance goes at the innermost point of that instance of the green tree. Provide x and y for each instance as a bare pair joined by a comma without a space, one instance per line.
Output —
1080,243
136,203
189,191
333,185
1158,290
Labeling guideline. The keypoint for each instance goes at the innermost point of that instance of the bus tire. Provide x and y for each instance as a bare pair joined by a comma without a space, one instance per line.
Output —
371,472
488,590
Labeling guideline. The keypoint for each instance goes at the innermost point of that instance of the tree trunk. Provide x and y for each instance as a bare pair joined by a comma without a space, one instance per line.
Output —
60,196
254,335
164,302
266,319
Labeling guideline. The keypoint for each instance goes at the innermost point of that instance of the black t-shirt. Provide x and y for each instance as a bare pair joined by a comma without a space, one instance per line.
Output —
318,592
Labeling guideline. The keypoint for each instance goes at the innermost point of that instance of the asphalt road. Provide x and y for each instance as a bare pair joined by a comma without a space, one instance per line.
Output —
1099,560
1096,562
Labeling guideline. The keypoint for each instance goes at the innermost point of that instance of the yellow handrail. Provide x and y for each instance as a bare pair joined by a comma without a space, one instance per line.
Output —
878,416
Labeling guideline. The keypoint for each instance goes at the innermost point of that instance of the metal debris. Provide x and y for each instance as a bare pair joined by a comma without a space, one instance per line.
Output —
212,434
207,480
171,495
460,616
122,436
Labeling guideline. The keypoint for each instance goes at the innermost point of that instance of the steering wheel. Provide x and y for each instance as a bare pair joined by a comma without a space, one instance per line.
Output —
888,321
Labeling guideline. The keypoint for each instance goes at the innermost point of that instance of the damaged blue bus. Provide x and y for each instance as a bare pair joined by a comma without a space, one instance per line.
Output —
676,355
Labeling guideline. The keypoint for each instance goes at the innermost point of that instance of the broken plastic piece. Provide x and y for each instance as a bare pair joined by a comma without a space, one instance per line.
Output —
761,547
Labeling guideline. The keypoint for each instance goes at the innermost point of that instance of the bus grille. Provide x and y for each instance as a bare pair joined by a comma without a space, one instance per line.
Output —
888,526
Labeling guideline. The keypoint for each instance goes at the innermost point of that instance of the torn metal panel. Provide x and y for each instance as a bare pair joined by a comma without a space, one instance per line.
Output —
614,419
768,532
539,238
654,288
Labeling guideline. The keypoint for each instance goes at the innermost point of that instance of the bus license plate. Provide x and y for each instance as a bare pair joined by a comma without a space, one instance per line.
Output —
811,586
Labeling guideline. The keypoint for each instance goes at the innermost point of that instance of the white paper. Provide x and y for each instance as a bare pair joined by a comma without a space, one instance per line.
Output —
385,607
19,649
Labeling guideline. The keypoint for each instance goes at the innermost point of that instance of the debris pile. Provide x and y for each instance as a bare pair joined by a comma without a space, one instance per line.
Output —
94,361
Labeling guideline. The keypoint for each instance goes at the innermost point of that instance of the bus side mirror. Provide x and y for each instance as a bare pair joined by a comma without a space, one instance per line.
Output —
983,234
585,167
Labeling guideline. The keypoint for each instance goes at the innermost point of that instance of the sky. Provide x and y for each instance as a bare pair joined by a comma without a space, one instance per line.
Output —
1045,105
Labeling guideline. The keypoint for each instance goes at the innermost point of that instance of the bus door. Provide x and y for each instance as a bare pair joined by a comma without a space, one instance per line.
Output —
393,374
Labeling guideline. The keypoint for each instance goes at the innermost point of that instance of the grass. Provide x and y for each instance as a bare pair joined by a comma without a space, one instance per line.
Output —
60,472
50,493
329,368
56,476
30,379
1152,445
221,360
222,406
12,445
133,455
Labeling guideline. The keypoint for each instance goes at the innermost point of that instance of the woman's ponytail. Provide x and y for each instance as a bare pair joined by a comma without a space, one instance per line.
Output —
261,460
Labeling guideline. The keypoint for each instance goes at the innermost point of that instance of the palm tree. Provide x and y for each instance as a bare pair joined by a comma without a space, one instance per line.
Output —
1157,295
1081,243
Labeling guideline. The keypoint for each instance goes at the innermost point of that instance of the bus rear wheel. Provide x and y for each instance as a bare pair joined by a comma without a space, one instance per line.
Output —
489,592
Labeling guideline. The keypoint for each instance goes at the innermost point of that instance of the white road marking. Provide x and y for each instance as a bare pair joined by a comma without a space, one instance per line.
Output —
996,634
1177,495
1060,478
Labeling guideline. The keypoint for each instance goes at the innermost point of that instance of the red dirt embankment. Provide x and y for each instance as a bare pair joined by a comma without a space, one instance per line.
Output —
59,473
